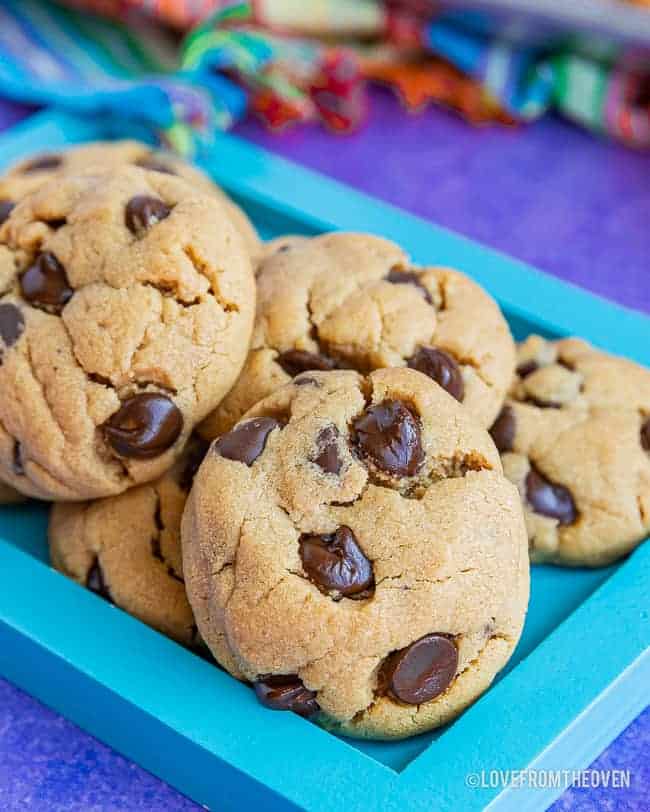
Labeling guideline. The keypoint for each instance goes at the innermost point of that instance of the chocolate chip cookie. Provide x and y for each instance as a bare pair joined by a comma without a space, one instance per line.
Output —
575,438
127,548
126,308
285,242
29,174
352,548
354,301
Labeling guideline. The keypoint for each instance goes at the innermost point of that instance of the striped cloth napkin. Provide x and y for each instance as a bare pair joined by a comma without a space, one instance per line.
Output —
291,61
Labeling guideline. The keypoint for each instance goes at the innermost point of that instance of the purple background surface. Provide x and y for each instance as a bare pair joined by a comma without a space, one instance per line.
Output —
570,204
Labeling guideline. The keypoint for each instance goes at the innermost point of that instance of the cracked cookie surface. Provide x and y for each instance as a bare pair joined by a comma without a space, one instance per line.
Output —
29,174
127,548
354,301
126,308
353,549
574,436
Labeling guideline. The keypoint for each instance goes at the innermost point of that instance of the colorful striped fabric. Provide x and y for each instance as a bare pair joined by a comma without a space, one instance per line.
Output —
293,61
50,55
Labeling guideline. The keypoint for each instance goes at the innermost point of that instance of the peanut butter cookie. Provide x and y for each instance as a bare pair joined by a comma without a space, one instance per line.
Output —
126,308
575,438
353,550
29,174
127,548
354,301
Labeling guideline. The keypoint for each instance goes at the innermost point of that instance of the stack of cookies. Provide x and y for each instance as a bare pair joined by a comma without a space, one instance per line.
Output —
281,453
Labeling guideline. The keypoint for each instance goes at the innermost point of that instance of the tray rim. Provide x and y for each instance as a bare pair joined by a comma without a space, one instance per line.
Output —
612,687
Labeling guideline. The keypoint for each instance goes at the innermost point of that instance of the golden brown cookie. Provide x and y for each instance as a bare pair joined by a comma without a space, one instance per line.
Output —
125,315
277,245
29,174
575,438
354,301
353,549
127,548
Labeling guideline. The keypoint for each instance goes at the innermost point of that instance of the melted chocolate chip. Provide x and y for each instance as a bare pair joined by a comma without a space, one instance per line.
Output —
327,457
96,583
293,362
287,693
398,277
645,435
421,671
549,499
246,441
154,164
442,368
45,284
503,430
336,563
143,212
144,426
6,207
43,162
527,368
197,450
388,434
12,324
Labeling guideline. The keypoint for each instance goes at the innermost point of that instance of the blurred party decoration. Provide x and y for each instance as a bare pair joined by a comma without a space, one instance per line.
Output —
290,61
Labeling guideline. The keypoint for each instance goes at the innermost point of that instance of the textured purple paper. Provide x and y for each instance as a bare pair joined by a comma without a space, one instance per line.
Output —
569,204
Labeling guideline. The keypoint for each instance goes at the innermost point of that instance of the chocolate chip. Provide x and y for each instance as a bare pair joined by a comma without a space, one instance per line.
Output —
144,426
527,368
154,164
336,563
442,368
43,162
196,451
287,693
398,277
6,207
327,457
12,324
421,671
503,430
143,212
246,441
549,499
645,435
388,434
293,362
45,284
96,583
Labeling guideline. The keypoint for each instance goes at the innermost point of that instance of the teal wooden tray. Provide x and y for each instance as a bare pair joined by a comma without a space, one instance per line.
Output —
581,671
